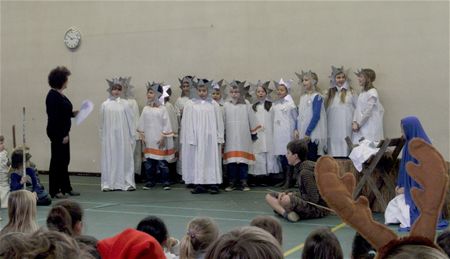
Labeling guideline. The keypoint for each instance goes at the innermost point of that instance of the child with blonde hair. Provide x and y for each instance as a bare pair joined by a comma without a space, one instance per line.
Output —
22,213
201,233
312,121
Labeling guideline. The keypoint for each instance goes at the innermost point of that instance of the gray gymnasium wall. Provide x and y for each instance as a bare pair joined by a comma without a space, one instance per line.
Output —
406,43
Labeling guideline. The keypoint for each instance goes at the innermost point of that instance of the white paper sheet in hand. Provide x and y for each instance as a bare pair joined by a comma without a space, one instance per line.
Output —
86,108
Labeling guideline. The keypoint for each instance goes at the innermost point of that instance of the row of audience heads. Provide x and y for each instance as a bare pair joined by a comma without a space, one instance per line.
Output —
22,238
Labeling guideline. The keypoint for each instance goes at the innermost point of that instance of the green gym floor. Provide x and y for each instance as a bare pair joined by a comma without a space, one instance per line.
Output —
108,213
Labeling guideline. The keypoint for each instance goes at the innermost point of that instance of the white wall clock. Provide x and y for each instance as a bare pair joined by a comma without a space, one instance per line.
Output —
72,38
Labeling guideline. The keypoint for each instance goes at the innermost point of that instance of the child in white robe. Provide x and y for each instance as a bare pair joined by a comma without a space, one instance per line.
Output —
240,130
174,174
340,105
117,138
311,121
266,162
284,117
186,85
156,132
368,116
201,134
129,97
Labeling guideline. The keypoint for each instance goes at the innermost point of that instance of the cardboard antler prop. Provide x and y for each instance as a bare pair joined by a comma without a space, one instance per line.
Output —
430,173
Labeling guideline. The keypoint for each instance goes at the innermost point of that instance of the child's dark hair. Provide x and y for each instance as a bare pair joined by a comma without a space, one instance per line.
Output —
74,209
361,249
58,76
299,148
58,219
322,244
155,227
2,138
271,225
443,241
17,158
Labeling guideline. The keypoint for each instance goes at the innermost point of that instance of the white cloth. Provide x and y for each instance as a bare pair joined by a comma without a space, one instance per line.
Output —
340,117
155,124
180,103
240,123
361,153
4,179
201,133
266,162
284,116
397,211
137,145
305,113
369,116
117,137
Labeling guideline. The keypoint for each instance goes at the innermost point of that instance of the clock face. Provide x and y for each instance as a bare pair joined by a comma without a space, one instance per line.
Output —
72,38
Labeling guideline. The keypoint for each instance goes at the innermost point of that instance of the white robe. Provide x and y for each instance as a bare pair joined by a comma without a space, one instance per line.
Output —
117,137
266,162
180,103
201,134
369,116
4,179
240,123
284,116
340,117
138,145
305,113
397,211
173,117
155,123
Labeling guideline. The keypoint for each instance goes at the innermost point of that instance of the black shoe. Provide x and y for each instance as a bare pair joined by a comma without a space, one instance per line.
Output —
199,189
59,195
190,186
214,190
73,193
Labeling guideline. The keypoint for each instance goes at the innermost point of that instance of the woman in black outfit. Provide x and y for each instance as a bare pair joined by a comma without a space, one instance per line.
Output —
59,112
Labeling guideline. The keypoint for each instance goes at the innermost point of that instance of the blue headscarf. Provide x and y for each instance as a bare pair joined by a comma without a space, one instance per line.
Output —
412,129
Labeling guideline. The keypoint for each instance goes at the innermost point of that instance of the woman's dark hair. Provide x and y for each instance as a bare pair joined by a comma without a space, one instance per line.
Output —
74,209
155,227
322,244
58,219
58,76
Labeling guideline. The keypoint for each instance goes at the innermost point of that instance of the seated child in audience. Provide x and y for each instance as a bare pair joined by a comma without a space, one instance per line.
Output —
21,213
302,204
322,244
200,234
66,216
4,169
361,249
130,243
19,181
41,244
271,225
156,228
245,243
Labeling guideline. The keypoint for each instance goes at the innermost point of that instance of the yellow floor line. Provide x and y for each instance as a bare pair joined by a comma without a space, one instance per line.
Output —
300,246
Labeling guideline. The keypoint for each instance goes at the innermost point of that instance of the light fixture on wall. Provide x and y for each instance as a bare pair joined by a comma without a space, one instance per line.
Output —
72,38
